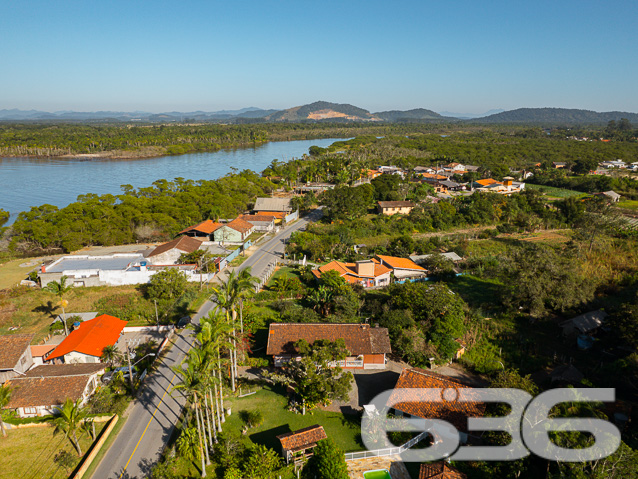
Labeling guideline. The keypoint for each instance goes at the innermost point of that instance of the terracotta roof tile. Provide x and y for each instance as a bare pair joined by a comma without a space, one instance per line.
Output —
185,244
51,370
277,214
91,337
453,411
240,225
487,182
12,346
302,438
399,263
358,337
42,349
348,271
208,227
260,218
439,470
48,391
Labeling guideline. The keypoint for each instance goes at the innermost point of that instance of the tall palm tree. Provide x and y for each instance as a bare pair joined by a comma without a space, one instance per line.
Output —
191,385
110,354
60,289
5,397
70,421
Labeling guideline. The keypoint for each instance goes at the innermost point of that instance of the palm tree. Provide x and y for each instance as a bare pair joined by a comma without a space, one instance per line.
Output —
110,354
70,421
59,289
5,397
191,385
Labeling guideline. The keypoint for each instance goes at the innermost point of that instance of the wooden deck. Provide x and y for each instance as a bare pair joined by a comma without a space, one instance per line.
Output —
393,464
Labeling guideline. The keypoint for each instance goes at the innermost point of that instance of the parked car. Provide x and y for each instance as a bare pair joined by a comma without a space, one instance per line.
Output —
108,377
183,322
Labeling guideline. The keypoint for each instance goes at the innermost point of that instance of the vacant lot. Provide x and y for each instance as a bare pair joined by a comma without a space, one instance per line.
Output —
29,452
553,192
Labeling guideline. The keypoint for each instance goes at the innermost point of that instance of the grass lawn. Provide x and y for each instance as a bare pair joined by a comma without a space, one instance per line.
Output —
11,273
33,310
477,291
283,271
554,192
28,452
345,430
628,204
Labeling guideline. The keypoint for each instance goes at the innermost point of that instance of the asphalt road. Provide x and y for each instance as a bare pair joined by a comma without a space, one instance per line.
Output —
154,414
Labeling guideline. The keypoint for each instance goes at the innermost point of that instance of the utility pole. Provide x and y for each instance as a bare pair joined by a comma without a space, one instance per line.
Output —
130,370
156,315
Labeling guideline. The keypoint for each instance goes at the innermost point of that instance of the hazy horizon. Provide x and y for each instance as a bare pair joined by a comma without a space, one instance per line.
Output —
458,56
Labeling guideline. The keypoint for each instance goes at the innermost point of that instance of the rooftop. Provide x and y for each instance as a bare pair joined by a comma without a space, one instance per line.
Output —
47,391
91,337
302,438
207,227
439,470
185,244
114,262
54,370
400,263
12,347
359,338
414,403
272,204
348,271
240,225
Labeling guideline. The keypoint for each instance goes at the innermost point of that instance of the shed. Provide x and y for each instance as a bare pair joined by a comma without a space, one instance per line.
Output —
584,323
295,444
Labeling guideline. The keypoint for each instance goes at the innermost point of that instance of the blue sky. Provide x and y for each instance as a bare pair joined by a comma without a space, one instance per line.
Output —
460,56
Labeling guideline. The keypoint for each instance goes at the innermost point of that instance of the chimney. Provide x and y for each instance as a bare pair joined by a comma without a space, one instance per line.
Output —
365,268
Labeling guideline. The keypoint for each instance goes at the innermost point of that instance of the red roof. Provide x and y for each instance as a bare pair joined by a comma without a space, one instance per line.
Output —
240,225
348,271
399,263
91,337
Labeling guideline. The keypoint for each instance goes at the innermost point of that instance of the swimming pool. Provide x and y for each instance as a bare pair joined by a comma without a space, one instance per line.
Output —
378,474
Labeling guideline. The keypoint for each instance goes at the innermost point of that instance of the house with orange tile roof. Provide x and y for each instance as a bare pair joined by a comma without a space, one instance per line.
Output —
86,343
367,273
403,269
505,187
298,445
260,222
205,229
415,388
366,346
236,231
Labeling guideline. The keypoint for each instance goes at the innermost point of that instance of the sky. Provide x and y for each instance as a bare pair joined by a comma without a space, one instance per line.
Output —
455,55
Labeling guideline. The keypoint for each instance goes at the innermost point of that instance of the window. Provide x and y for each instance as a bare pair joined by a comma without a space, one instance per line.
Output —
30,410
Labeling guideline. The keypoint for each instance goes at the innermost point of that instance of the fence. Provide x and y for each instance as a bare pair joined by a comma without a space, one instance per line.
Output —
389,451
265,276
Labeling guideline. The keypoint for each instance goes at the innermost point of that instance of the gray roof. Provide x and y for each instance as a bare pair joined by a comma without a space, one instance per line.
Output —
113,262
612,194
471,168
449,183
586,322
272,204
420,258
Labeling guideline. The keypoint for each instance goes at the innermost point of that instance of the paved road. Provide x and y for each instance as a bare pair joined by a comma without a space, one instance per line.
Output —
154,414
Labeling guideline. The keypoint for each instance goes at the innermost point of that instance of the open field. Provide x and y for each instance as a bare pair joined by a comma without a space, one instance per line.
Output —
628,204
11,273
28,452
554,192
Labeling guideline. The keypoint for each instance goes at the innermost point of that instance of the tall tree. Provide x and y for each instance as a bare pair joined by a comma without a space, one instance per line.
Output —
327,462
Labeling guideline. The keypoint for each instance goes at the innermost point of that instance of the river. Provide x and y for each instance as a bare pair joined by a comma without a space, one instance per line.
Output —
27,182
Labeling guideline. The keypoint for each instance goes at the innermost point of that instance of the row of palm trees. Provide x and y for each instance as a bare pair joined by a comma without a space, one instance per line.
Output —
202,374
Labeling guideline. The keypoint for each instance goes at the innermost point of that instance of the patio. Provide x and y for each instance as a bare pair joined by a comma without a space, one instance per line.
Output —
397,469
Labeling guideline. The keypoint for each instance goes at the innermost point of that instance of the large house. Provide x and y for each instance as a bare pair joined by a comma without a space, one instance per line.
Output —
15,355
390,208
367,346
409,399
368,273
236,231
41,389
402,268
86,344
85,270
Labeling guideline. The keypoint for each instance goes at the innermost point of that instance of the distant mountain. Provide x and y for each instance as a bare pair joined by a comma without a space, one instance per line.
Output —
416,114
468,116
557,116
322,110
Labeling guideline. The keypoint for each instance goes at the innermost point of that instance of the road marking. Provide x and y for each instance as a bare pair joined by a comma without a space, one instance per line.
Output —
149,423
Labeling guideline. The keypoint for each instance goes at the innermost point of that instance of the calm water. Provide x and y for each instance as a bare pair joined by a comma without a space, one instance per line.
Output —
27,182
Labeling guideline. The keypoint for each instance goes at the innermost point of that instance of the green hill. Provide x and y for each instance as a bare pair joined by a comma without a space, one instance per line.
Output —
557,116
411,115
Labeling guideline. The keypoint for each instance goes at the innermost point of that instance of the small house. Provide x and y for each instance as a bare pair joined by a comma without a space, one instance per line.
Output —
44,388
203,230
237,231
15,355
264,223
86,344
559,164
610,196
366,346
390,208
169,253
298,445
